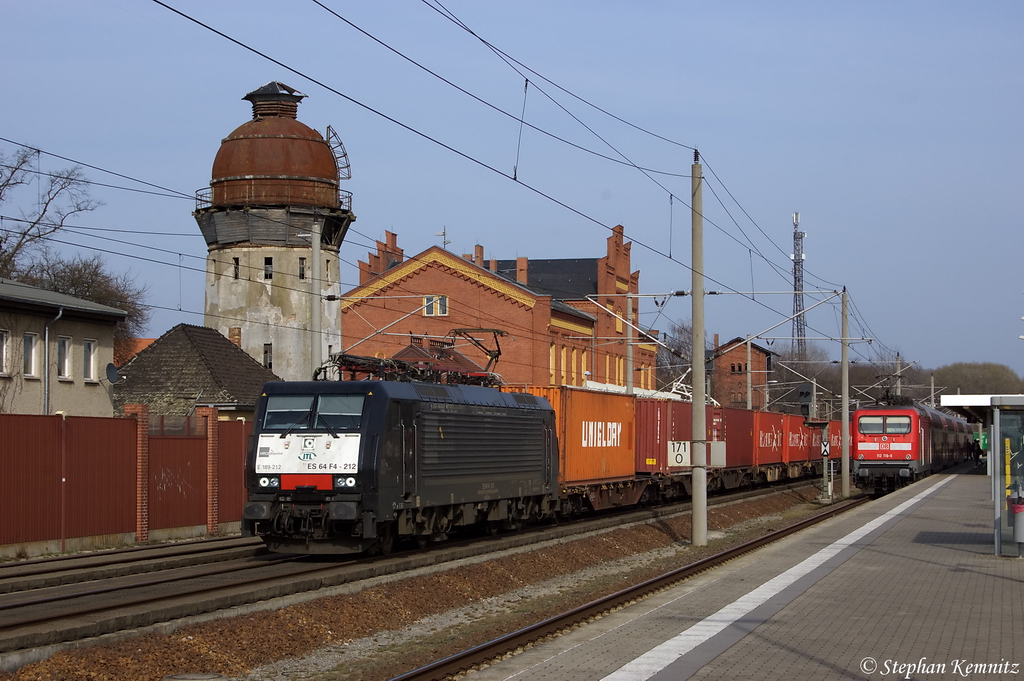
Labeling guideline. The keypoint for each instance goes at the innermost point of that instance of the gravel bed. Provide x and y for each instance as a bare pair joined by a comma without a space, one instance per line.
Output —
394,627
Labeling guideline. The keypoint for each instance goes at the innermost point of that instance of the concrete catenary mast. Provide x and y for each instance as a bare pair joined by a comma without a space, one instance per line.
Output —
271,284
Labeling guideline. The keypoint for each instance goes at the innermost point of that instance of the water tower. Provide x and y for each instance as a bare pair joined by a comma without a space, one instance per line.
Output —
274,217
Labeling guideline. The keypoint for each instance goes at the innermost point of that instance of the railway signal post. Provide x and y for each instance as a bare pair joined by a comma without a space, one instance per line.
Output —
822,426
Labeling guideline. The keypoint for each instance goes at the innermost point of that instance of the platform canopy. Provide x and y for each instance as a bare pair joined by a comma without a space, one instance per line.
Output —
979,407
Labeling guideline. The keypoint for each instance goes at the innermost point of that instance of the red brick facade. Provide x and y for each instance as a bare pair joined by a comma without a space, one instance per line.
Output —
729,382
399,298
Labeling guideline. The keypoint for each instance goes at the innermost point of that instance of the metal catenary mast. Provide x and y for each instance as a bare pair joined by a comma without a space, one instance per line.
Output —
799,327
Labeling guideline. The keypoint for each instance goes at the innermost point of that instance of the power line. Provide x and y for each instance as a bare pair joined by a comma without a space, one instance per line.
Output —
97,168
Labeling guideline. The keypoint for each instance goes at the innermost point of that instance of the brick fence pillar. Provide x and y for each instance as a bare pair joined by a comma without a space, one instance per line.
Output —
209,415
140,412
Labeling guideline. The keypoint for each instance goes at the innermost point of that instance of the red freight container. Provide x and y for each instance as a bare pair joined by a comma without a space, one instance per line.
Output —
835,438
739,424
769,438
596,433
659,423
799,440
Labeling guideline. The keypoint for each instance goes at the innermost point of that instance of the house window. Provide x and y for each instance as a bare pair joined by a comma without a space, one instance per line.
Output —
551,365
63,357
268,356
89,359
302,268
4,337
435,306
28,364
234,268
268,268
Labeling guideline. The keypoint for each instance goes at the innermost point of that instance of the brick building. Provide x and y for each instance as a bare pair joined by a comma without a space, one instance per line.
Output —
731,369
558,334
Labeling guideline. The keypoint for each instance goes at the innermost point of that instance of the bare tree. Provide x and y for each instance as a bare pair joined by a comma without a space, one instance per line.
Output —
57,197
89,279
677,358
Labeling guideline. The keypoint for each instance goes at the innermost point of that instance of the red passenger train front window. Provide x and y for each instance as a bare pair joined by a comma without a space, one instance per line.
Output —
883,425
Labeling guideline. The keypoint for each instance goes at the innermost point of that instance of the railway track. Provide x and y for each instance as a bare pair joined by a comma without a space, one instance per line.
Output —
52,603
460,663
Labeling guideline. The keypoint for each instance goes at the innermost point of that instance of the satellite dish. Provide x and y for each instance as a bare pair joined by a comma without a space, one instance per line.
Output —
112,374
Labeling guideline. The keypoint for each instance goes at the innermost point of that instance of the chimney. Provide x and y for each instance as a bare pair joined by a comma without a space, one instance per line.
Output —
493,265
716,341
522,267
478,255
235,335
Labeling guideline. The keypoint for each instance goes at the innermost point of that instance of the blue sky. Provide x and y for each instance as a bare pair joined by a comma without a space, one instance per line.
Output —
893,128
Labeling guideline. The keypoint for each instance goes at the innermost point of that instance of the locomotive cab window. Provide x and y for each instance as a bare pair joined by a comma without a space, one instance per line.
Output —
897,425
871,425
884,425
288,411
341,412
297,412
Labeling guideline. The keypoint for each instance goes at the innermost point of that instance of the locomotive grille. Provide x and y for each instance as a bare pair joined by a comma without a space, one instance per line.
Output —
462,444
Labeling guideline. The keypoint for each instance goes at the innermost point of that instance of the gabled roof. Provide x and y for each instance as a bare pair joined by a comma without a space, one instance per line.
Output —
739,342
438,256
34,298
189,366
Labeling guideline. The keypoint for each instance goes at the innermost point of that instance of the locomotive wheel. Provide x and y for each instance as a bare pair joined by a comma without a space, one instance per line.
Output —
385,539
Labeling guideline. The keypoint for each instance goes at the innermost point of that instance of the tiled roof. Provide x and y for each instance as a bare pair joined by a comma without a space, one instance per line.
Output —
189,366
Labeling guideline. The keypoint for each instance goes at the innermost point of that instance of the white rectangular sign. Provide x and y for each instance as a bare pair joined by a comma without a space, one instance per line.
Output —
679,454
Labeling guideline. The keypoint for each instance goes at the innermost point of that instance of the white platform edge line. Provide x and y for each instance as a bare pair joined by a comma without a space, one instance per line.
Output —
653,661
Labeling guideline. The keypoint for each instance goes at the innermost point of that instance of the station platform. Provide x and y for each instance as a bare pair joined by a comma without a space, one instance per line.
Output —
905,587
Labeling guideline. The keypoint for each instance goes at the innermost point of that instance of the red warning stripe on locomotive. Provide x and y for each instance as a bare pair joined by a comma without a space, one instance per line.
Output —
307,480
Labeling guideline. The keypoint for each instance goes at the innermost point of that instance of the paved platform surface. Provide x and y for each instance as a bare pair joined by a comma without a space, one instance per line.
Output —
905,587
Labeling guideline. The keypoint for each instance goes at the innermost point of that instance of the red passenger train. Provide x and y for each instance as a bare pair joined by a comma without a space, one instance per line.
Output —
896,445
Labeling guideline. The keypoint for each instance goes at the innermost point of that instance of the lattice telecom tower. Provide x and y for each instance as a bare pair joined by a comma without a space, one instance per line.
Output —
799,326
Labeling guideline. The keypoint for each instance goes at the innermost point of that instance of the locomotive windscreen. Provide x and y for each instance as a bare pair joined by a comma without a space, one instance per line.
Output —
887,425
301,412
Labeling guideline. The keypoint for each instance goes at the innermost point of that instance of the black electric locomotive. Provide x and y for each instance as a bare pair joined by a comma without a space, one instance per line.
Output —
351,466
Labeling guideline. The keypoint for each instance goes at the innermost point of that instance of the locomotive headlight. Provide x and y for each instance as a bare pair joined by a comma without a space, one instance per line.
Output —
264,482
860,456
340,482
269,482
908,457
345,482
351,482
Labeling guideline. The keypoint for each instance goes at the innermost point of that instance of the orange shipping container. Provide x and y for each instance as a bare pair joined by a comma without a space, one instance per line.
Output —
596,433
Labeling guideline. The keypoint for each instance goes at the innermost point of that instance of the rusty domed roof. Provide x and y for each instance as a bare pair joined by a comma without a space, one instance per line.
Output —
275,159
